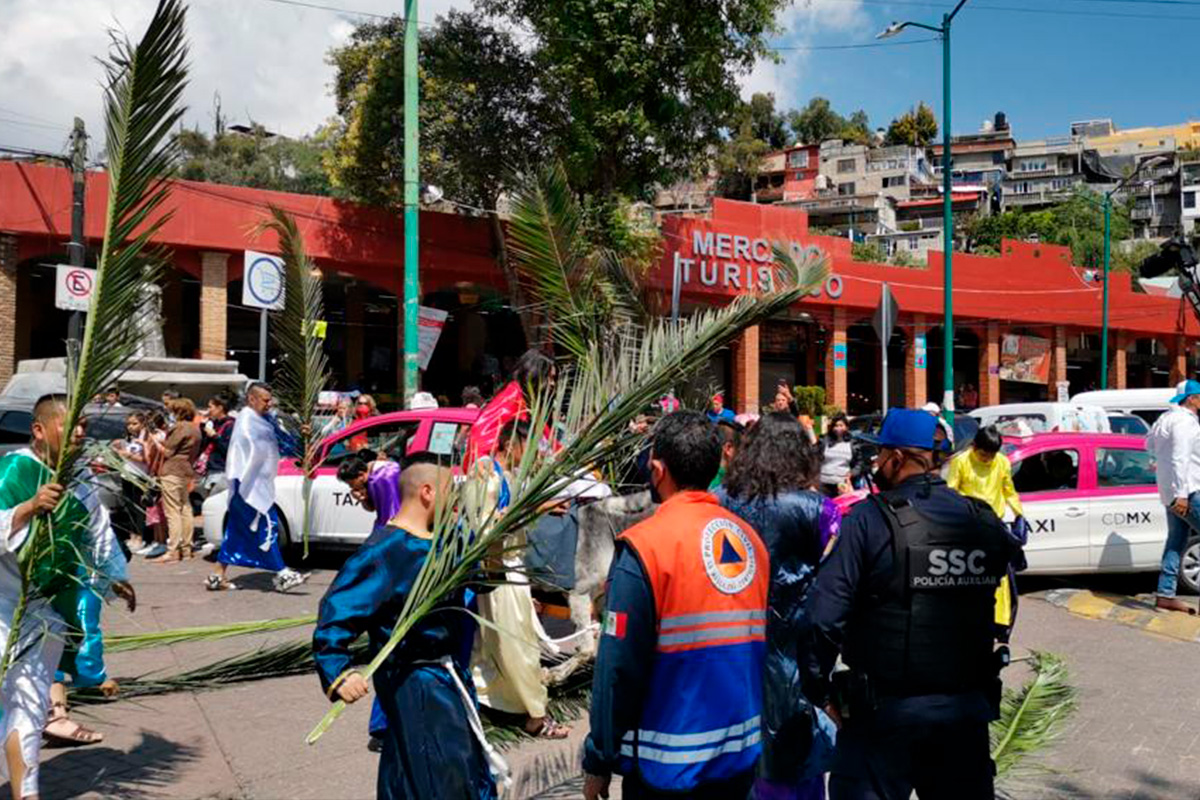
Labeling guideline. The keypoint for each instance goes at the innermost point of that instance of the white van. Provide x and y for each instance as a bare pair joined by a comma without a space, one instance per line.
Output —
1024,419
1149,404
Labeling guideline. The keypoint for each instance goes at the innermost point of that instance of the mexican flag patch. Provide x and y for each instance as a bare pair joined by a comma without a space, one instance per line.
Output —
614,624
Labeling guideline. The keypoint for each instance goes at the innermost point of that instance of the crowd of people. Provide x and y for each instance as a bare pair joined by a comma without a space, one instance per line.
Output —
802,609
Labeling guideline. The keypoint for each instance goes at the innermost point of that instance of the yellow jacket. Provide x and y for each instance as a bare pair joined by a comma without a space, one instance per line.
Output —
989,481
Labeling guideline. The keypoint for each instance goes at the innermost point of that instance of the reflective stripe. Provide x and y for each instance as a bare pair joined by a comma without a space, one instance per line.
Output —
688,620
692,756
693,739
712,634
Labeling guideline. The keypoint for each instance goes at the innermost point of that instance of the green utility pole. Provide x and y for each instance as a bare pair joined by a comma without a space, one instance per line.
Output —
948,230
943,31
412,192
1104,316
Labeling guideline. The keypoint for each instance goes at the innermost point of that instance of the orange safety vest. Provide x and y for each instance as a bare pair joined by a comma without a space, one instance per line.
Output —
709,572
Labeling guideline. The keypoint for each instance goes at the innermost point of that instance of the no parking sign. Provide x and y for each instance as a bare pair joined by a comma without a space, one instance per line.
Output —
73,287
262,281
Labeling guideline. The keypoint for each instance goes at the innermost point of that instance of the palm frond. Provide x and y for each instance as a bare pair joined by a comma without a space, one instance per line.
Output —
1032,716
304,369
144,83
119,643
547,246
590,408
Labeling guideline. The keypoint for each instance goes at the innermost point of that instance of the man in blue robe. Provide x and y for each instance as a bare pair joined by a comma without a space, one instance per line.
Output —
434,746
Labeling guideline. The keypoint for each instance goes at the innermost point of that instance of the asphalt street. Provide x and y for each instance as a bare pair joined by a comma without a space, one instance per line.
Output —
1134,735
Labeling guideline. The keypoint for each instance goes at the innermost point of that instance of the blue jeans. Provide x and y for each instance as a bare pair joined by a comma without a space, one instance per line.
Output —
1179,530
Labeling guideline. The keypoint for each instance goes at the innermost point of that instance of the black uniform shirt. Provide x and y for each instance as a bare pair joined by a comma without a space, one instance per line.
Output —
860,564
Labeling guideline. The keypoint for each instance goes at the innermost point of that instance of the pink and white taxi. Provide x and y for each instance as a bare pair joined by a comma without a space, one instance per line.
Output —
1092,505
337,519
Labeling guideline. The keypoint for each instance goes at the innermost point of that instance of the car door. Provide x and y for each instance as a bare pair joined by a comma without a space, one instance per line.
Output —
1128,523
1048,481
335,516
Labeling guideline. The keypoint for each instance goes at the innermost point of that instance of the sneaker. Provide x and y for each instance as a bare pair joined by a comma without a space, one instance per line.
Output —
214,584
287,579
154,551
206,549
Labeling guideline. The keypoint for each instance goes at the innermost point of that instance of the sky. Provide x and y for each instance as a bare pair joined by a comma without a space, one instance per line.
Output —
1044,63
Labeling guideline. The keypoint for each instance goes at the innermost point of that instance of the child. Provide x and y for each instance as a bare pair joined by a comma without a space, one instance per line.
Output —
434,747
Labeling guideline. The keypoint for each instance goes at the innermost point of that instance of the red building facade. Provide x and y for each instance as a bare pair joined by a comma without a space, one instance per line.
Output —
1030,291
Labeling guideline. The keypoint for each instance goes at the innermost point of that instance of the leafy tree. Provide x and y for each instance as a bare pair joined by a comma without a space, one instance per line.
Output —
816,122
638,90
857,128
480,110
917,127
868,251
1078,223
256,159
766,124
755,130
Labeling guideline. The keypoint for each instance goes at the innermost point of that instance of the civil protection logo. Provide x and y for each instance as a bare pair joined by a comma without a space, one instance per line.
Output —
728,556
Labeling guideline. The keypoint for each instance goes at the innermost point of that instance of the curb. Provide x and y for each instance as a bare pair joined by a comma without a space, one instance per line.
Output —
1128,611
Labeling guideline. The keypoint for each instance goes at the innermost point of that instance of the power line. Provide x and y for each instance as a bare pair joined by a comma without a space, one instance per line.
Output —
13,112
8,121
1032,10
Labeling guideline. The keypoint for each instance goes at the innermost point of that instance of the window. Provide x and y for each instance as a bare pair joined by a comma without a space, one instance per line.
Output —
1051,471
914,243
390,438
845,189
1189,199
845,165
1124,468
798,159
14,427
448,439
895,180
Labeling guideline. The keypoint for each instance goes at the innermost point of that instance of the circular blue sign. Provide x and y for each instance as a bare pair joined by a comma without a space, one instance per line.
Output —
264,279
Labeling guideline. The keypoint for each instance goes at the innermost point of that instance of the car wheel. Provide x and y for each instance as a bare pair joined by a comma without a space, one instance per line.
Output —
291,548
1189,567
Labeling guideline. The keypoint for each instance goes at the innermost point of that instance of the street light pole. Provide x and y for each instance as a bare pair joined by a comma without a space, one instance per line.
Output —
412,192
943,31
948,229
1104,315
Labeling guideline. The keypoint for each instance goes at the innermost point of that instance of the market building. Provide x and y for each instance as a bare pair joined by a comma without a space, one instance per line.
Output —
1026,322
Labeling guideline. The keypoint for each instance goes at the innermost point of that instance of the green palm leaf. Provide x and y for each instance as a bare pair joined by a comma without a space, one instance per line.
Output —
304,369
1033,716
615,378
144,83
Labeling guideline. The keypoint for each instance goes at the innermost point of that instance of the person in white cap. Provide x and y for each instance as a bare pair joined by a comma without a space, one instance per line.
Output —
422,400
1175,443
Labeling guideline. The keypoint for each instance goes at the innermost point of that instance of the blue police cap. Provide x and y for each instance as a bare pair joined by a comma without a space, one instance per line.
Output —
905,427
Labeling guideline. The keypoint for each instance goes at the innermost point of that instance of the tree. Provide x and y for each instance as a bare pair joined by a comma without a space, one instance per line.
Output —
755,130
857,128
480,111
257,159
868,251
638,90
816,122
1077,222
917,127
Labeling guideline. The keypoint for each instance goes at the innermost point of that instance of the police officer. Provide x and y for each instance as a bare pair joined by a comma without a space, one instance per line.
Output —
906,596
677,693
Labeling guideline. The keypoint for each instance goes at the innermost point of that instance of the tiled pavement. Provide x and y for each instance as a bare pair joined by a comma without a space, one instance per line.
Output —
1135,735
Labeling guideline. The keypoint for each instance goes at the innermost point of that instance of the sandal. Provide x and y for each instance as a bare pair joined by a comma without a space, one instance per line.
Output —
61,731
214,583
550,730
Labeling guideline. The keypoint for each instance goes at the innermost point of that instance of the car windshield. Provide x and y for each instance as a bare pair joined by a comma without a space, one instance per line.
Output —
1020,424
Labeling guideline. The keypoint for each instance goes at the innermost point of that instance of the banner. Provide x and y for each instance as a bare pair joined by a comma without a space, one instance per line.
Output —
430,322
1025,359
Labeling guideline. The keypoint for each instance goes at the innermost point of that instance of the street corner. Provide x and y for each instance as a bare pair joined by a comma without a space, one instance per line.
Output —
1135,611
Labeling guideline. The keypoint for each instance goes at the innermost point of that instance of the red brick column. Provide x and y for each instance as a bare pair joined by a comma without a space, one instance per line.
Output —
8,307
214,282
835,376
1058,360
989,365
916,380
1178,359
1117,372
745,372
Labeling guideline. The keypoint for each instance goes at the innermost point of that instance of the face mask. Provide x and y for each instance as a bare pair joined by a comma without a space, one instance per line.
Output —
883,478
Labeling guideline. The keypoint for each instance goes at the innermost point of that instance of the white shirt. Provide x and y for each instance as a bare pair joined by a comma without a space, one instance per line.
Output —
1175,443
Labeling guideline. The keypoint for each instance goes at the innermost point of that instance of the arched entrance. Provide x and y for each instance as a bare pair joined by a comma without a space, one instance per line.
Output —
480,343
864,369
966,361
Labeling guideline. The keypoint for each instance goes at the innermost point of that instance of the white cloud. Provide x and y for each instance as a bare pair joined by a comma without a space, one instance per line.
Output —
805,23
266,60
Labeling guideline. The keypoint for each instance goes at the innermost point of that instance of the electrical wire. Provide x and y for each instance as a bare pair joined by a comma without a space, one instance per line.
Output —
1030,10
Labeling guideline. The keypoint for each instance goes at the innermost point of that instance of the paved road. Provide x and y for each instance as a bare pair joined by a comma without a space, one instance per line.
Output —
1136,734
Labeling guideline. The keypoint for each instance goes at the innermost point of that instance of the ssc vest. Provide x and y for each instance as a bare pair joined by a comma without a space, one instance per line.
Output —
930,631
709,572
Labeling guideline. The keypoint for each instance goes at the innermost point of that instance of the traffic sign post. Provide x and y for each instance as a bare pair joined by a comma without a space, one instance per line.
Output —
884,322
73,287
262,288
